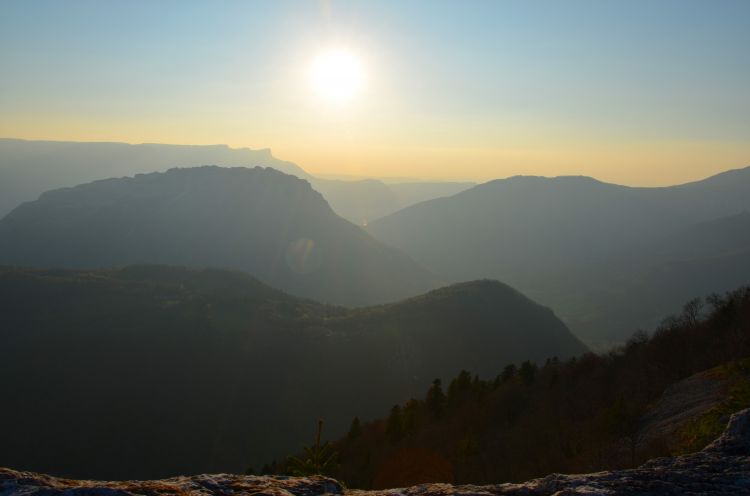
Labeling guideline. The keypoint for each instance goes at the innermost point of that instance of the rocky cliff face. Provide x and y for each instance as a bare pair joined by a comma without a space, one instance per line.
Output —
723,467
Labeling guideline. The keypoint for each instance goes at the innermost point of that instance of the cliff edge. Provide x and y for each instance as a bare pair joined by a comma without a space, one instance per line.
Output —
723,467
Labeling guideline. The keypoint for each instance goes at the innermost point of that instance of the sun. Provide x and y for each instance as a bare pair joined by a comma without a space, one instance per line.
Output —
337,75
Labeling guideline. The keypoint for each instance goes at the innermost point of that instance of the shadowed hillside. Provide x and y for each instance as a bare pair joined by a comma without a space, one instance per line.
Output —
577,244
153,371
262,221
566,416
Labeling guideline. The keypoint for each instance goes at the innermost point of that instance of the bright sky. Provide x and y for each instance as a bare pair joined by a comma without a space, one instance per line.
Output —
641,92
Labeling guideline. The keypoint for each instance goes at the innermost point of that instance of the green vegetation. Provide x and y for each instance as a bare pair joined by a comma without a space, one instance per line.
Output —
156,350
318,459
221,371
708,426
570,416
355,429
435,400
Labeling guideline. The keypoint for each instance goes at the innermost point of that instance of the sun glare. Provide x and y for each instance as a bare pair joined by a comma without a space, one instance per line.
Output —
337,75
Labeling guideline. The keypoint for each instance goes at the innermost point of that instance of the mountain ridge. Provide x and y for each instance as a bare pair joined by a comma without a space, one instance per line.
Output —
30,167
548,235
270,224
211,370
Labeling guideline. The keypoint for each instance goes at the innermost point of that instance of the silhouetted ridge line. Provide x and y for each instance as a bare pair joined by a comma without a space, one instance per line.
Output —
262,221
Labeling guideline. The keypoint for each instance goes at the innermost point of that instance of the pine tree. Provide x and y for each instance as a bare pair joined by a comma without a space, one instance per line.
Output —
508,372
319,459
394,424
355,429
527,372
464,380
458,386
435,399
409,417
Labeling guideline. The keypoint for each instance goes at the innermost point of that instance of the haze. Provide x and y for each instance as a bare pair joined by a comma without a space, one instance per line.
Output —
638,93
441,246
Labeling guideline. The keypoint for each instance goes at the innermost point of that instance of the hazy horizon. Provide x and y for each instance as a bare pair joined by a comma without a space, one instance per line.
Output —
636,93
458,245
384,179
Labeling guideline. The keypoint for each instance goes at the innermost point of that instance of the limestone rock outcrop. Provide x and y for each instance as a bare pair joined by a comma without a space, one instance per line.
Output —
723,467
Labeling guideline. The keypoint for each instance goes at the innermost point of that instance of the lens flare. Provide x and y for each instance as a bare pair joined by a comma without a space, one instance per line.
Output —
303,256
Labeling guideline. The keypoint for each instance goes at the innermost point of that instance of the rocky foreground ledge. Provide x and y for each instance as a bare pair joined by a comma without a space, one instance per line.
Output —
723,467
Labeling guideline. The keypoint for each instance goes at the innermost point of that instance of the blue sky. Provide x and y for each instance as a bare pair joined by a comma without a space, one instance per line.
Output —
637,92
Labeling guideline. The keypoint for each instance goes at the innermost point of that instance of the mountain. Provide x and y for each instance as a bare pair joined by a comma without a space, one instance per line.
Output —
715,238
363,201
152,371
262,221
704,258
660,395
568,242
29,168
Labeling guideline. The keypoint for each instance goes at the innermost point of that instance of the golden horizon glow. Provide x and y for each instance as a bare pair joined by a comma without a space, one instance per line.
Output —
394,89
630,164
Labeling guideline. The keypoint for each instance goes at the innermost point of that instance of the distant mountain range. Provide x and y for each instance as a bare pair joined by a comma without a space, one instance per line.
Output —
582,246
153,371
272,225
364,201
608,258
29,168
